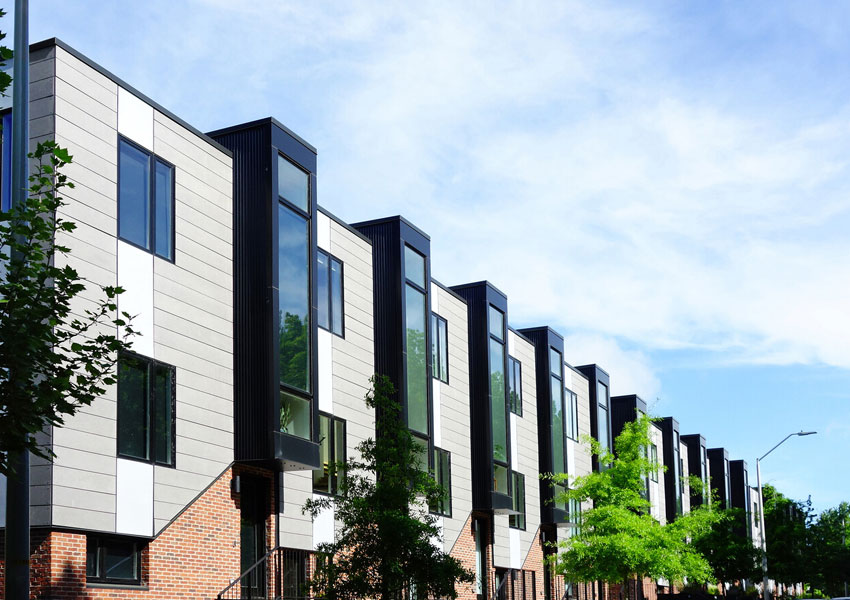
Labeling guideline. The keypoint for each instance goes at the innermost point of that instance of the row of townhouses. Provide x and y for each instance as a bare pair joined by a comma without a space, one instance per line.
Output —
262,317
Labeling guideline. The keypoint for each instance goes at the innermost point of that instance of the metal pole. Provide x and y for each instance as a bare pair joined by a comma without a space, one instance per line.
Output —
18,488
765,593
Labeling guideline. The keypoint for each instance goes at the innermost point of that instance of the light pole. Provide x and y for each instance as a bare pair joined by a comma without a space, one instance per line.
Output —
761,502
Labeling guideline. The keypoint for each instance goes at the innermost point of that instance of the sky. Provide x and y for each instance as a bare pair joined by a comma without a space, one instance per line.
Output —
664,183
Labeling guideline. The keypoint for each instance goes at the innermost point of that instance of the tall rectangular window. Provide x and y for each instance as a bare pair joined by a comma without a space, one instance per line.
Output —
602,415
415,304
558,423
443,476
331,451
439,348
329,285
113,560
145,199
572,414
515,385
145,410
653,458
498,400
517,521
677,472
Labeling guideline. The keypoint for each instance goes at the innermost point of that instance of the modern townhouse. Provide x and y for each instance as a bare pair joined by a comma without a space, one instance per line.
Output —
262,318
697,466
718,468
739,494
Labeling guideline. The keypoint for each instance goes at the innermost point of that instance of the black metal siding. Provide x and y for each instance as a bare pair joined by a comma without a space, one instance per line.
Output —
624,409
668,426
594,375
695,443
716,463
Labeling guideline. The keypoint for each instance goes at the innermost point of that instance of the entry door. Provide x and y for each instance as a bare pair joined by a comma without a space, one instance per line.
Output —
253,508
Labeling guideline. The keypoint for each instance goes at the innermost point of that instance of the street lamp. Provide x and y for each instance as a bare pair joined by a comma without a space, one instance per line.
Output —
761,502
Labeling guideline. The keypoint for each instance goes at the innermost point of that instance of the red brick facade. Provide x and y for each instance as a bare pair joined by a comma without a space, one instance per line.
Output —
195,557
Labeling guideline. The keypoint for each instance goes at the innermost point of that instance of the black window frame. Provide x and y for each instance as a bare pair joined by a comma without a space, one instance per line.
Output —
439,349
502,340
653,458
330,299
514,381
153,160
571,408
100,542
333,476
409,281
151,412
519,520
444,508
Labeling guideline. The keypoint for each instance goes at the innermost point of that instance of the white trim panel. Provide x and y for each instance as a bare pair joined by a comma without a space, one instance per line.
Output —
323,526
325,353
134,497
135,119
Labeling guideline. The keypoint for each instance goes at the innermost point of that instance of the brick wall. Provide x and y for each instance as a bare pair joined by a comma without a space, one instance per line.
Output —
196,556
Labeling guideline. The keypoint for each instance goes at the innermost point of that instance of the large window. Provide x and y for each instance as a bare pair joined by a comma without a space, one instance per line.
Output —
329,280
677,472
415,341
439,348
145,410
443,476
572,414
602,415
331,451
653,458
293,281
515,385
113,560
517,520
558,423
145,200
498,400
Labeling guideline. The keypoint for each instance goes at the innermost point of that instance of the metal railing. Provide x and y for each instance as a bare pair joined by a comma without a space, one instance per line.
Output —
282,573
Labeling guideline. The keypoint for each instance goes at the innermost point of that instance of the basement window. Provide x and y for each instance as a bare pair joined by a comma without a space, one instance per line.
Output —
113,560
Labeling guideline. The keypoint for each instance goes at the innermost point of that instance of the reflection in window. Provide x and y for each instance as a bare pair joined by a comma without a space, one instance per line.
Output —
442,474
497,401
517,521
113,560
515,385
439,348
572,414
293,184
294,298
602,415
653,458
145,409
295,416
329,284
331,451
417,375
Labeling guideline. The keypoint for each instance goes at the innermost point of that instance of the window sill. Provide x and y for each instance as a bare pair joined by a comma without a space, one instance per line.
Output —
117,586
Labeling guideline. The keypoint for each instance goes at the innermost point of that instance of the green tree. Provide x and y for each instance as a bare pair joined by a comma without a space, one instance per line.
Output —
618,539
385,547
57,354
786,521
729,550
830,552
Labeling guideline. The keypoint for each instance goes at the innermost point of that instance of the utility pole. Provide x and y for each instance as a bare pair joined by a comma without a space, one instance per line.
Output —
18,483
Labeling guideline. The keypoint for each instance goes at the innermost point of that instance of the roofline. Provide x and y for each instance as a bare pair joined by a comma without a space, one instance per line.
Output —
342,223
391,219
54,41
265,121
595,366
520,335
478,283
446,288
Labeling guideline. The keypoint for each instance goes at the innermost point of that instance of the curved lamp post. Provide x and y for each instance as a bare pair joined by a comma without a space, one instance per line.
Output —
761,502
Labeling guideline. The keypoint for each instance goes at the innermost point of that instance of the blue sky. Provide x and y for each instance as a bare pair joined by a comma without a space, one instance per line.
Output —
666,184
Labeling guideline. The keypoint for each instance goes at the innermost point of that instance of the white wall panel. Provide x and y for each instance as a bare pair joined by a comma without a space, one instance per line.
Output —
135,275
438,428
514,442
516,549
323,526
135,119
323,232
134,498
325,352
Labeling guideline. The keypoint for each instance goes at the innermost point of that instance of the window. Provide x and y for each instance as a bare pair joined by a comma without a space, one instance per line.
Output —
331,451
329,280
295,415
145,200
677,472
498,400
6,161
602,415
145,410
415,303
517,521
295,576
480,558
515,385
653,458
558,425
443,475
572,414
113,560
439,348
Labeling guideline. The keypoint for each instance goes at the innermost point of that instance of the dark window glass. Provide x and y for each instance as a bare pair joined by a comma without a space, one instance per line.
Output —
323,281
112,560
336,296
6,162
294,298
164,202
498,401
517,521
555,363
145,410
133,408
422,453
602,415
501,481
559,462
572,414
417,375
515,385
497,323
164,403
331,451
439,348
134,181
293,184
442,474
653,458
414,266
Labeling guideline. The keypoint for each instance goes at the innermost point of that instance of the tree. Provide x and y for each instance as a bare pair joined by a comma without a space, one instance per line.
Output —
385,548
786,523
618,539
830,552
57,354
729,550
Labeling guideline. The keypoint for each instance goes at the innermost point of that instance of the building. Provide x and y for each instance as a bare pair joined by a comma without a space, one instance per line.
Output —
718,466
262,319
